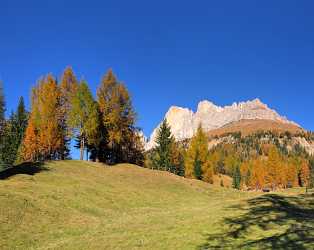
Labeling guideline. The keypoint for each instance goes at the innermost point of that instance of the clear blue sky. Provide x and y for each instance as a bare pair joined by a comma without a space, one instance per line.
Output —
167,52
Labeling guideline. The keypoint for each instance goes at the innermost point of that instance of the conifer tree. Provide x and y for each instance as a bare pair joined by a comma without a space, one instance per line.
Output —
236,183
197,168
2,123
2,107
311,166
44,130
68,88
21,118
30,150
177,159
117,118
164,142
83,117
197,154
14,133
304,173
273,167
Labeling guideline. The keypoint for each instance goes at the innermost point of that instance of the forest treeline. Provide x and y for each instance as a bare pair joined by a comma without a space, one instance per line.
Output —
63,111
264,160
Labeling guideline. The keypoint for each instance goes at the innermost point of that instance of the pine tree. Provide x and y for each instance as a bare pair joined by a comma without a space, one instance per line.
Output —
21,120
197,168
83,117
14,133
236,183
2,107
164,142
2,123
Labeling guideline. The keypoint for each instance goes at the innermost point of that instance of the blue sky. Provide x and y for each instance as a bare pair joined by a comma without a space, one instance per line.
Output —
167,52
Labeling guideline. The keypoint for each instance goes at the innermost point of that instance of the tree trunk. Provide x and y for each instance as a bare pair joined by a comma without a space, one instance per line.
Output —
82,149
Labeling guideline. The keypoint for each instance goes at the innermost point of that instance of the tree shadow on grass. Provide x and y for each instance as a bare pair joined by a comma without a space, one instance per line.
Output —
24,168
268,222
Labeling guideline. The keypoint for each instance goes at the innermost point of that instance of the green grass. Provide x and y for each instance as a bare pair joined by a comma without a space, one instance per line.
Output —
80,205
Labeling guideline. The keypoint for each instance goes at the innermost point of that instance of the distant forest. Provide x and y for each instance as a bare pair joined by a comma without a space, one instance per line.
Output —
265,160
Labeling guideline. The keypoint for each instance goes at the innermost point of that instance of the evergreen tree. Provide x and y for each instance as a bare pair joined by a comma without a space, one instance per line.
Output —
83,117
2,123
164,142
198,168
10,142
236,183
20,121
13,133
2,107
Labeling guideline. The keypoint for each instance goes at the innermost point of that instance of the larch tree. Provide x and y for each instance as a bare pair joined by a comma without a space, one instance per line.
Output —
68,88
197,155
45,124
51,131
274,167
305,173
30,149
83,117
117,118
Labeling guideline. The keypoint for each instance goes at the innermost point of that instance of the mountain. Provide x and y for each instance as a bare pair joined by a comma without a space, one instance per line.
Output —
184,122
248,127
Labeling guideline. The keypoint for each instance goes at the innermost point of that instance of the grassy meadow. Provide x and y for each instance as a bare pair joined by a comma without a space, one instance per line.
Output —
84,205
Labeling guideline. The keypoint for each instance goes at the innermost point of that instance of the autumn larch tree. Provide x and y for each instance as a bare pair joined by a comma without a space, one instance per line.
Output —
198,155
117,119
68,88
44,128
30,150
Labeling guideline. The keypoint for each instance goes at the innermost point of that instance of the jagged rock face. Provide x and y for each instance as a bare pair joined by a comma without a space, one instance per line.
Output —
184,122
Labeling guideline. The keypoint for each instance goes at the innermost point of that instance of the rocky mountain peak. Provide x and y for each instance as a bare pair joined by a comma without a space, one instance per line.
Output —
184,122
207,106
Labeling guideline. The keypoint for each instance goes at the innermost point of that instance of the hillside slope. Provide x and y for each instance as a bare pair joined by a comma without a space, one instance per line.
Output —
247,127
80,205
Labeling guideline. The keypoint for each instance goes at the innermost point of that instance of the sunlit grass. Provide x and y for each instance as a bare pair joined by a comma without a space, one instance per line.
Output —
80,205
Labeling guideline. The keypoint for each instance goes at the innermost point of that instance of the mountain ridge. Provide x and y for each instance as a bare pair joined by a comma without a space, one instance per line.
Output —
184,121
